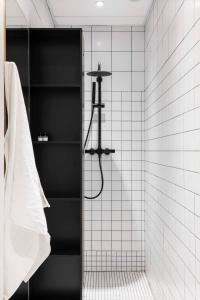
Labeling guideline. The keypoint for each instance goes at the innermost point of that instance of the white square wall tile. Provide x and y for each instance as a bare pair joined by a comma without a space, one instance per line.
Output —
101,28
86,28
138,28
121,28
106,84
121,41
137,41
101,57
138,81
101,41
87,61
121,81
87,83
87,41
121,61
137,61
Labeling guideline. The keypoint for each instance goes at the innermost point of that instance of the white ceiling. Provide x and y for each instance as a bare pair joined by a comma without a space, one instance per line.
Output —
14,14
81,12
114,12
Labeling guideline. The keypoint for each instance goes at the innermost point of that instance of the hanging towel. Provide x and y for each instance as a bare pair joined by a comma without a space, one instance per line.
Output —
27,242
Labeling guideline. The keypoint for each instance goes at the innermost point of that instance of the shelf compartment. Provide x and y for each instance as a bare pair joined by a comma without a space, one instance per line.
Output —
64,224
47,285
59,167
55,57
53,111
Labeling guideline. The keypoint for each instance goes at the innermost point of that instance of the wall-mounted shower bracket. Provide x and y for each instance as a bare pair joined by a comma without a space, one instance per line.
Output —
99,105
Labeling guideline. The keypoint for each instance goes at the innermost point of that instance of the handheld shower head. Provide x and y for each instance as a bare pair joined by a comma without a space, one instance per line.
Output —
93,92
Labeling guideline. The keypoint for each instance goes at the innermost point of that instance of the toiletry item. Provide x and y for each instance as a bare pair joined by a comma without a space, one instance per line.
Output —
40,138
45,137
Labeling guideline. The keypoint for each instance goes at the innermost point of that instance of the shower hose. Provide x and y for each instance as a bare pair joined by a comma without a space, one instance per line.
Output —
99,158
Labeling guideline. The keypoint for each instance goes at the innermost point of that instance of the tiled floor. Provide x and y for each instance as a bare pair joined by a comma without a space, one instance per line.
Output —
116,286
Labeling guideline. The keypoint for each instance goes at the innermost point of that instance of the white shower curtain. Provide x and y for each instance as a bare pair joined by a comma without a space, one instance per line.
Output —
27,242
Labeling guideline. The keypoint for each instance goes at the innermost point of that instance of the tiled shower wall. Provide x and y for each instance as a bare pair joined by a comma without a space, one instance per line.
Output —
172,149
114,222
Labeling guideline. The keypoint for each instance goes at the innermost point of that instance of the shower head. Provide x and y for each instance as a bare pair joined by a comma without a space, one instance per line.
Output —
93,92
99,73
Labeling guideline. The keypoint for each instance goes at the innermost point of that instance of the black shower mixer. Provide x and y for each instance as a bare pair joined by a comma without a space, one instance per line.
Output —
100,151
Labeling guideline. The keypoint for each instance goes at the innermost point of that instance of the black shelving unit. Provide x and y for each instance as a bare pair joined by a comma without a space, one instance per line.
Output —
50,67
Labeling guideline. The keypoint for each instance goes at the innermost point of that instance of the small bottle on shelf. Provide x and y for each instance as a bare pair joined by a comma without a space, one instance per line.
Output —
45,137
40,137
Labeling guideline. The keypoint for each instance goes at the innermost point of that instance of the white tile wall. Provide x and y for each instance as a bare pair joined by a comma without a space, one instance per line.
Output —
114,223
172,149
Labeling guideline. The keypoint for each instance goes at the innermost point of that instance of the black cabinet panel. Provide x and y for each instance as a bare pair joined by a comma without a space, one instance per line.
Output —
58,278
56,111
21,293
65,232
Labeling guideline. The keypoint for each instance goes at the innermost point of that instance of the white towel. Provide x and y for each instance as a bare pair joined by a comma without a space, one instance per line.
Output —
27,242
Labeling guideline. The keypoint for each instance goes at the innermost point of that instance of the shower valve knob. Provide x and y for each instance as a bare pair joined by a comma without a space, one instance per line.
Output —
91,151
109,151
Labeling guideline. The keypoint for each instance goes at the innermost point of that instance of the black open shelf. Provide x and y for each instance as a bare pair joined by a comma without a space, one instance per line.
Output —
55,57
46,284
56,112
65,233
59,169
50,67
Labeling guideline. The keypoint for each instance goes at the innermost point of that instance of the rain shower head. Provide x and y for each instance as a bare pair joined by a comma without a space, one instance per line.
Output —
99,73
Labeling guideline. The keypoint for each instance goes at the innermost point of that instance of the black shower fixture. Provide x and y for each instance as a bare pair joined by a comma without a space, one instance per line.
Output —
99,105
99,74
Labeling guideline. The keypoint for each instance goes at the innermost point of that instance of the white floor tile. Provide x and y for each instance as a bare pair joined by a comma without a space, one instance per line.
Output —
116,286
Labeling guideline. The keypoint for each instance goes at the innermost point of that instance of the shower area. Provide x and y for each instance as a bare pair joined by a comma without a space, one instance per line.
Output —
114,254
114,224
139,172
